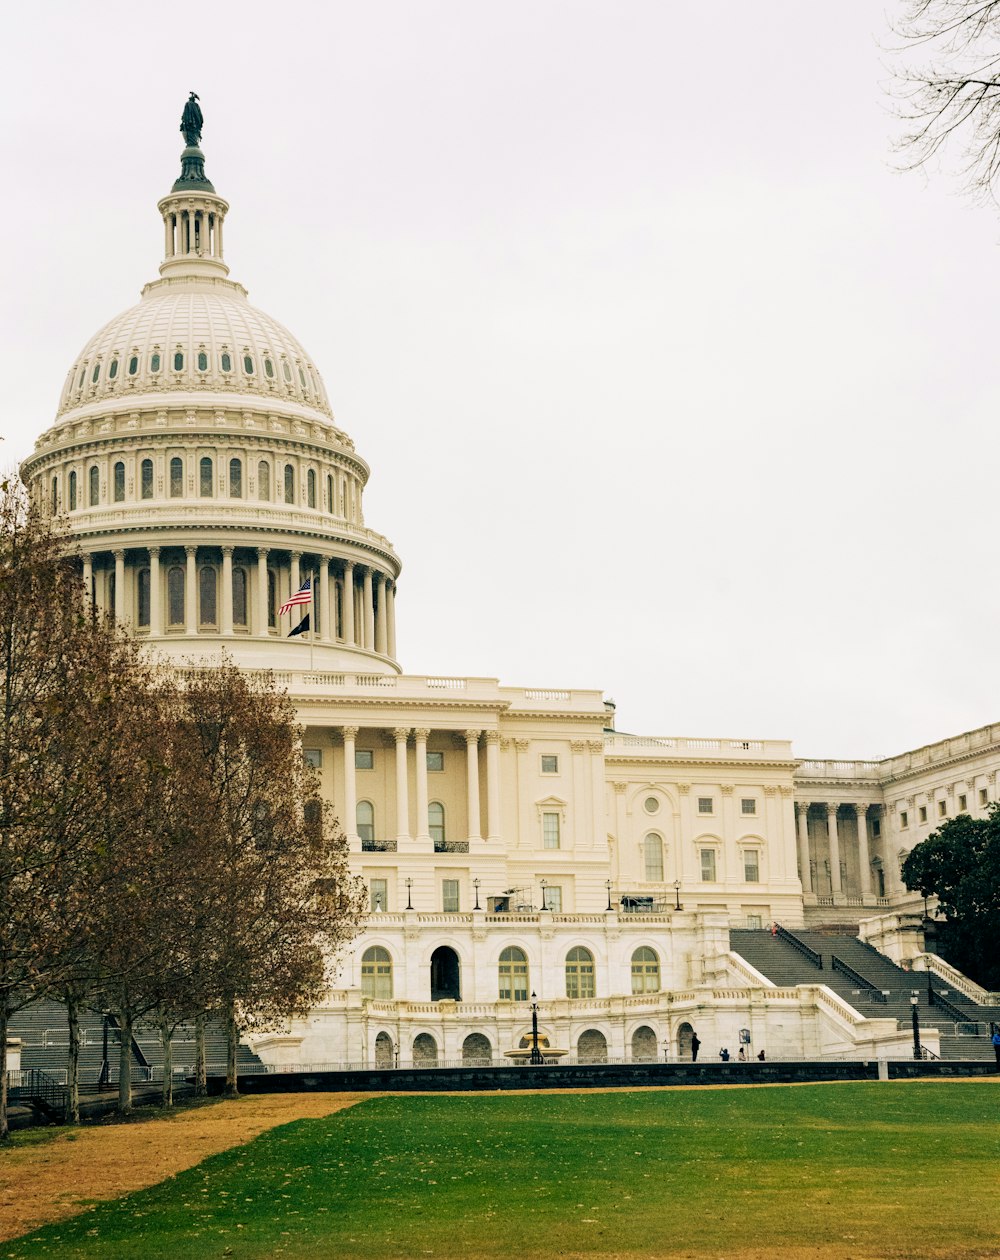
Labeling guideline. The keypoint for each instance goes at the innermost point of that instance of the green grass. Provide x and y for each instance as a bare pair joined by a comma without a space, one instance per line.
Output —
905,1170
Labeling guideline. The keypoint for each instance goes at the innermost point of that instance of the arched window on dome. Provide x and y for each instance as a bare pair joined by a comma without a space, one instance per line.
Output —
226,361
264,480
236,479
119,473
652,854
83,377
289,484
366,822
143,592
208,607
513,975
154,363
95,374
272,597
147,478
579,973
55,495
133,365
248,365
177,478
302,379
311,487
202,361
113,370
178,360
240,598
269,369
205,471
645,971
72,492
376,973
286,371
94,485
330,505
435,822
175,596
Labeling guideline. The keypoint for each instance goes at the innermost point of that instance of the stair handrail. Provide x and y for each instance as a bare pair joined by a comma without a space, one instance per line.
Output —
950,1009
805,950
137,1053
855,977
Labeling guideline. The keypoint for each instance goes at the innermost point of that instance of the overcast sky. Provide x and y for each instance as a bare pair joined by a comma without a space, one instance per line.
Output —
669,384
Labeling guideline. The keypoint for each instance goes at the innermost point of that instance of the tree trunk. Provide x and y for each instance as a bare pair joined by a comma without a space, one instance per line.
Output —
4,1130
167,1096
232,1041
73,1062
200,1081
125,1065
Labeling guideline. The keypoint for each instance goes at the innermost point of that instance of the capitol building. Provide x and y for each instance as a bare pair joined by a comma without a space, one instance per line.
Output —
513,842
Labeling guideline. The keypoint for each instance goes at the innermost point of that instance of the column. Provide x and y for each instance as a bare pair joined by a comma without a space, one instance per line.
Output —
349,603
262,608
834,834
325,621
191,591
350,820
390,595
472,774
401,734
155,604
492,785
369,612
218,235
864,858
168,241
803,831
420,736
88,581
120,587
380,624
294,579
227,590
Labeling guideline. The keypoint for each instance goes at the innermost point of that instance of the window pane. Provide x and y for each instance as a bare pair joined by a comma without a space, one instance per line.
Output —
239,597
144,598
119,483
263,480
748,805
289,484
366,820
645,971
364,759
311,487
513,975
376,973
708,865
653,852
95,485
206,477
579,973
552,898
751,866
207,612
72,492
176,478
449,896
236,479
435,821
147,478
175,596
550,764
178,362
378,894
272,601
704,804
435,761
202,361
550,831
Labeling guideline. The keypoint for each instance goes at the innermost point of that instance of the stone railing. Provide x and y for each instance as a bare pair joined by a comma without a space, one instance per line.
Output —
640,746
955,979
870,771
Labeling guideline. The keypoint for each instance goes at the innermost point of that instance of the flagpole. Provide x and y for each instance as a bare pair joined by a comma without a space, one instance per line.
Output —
312,615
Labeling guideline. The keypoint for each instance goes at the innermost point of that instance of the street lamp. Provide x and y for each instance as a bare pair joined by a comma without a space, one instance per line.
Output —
475,885
914,1000
677,895
409,899
544,884
607,885
666,1049
535,1058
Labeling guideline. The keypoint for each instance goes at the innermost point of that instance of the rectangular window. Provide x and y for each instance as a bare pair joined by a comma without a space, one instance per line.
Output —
748,805
708,866
435,761
553,898
923,813
550,831
449,896
904,820
751,866
550,763
704,804
963,802
364,759
942,809
876,828
983,796
378,894
313,757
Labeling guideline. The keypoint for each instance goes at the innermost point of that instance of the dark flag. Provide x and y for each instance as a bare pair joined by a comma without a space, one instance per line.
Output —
301,627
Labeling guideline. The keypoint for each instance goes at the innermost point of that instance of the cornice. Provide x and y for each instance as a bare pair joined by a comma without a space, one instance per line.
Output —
618,759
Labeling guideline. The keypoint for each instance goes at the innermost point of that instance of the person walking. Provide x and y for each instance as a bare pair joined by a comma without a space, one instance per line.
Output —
996,1043
695,1047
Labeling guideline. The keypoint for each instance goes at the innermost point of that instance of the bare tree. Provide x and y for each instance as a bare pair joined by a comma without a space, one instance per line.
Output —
948,88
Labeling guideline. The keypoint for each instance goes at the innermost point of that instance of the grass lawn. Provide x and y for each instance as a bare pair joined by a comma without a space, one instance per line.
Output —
846,1170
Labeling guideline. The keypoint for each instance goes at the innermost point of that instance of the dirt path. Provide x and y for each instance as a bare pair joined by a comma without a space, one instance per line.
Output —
58,1178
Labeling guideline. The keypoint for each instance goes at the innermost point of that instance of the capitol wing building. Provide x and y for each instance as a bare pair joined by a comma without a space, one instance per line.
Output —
512,841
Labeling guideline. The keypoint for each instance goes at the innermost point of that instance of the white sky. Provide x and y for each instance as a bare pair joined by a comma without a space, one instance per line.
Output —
669,384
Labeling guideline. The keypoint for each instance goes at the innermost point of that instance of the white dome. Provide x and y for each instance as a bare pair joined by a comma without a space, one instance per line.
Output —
191,335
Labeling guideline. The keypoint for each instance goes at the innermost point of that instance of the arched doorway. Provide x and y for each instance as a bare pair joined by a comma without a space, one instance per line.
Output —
384,1050
425,1050
477,1051
643,1045
445,982
592,1047
684,1035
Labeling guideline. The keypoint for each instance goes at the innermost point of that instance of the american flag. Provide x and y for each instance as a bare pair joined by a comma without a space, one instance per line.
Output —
302,596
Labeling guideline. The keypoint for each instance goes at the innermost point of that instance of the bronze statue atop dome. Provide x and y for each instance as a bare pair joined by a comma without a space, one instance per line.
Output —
191,121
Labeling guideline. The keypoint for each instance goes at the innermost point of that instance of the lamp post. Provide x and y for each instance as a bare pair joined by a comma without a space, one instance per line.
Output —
914,999
475,885
666,1049
409,899
544,884
535,1058
677,895
105,1081
607,885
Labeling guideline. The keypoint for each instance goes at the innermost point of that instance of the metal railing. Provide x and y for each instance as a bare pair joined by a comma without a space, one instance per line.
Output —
857,978
32,1085
805,950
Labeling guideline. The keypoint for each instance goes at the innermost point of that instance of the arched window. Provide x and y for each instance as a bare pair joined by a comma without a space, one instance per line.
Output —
113,370
366,822
645,971
239,597
592,1047
513,975
272,603
263,480
248,365
376,973
202,361
119,482
175,595
205,468
425,1050
286,371
178,361
302,378
643,1045
236,479
384,1051
652,851
72,492
147,478
289,484
133,365
331,506
95,374
226,361
311,487
435,822
143,599
176,478
55,494
579,973
207,602
154,363
477,1051
94,477
269,368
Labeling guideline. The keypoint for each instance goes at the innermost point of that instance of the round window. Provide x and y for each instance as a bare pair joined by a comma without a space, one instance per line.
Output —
651,805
